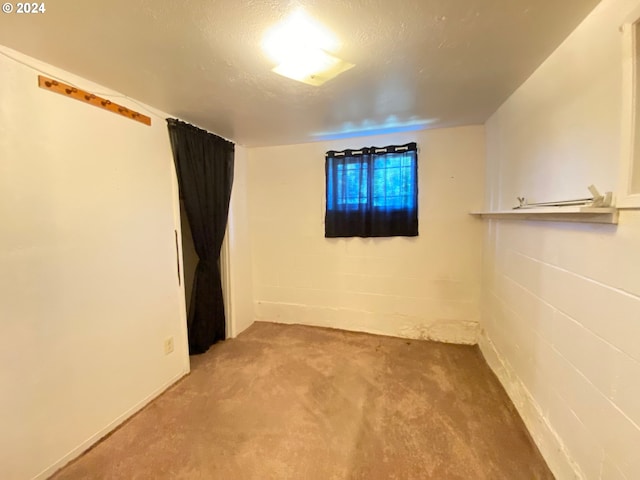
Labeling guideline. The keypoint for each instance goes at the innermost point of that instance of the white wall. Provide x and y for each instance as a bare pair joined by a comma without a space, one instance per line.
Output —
88,290
421,287
561,302
240,314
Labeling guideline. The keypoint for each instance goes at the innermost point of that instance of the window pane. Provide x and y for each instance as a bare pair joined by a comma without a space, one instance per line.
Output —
407,160
388,160
393,181
352,184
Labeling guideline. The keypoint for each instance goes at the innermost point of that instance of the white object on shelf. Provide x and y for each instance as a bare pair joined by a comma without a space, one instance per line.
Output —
580,214
596,200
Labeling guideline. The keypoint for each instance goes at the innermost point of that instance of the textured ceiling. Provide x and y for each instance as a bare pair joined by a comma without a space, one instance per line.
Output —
418,62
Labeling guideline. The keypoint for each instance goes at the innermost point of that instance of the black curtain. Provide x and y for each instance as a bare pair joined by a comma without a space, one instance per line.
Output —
204,164
372,192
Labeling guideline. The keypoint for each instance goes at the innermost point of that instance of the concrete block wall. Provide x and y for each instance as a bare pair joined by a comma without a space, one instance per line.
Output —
422,287
561,301
562,333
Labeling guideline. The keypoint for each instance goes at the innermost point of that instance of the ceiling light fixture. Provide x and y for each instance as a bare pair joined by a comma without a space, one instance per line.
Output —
300,46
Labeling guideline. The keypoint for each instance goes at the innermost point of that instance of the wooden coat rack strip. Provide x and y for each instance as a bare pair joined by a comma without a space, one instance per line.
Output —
90,98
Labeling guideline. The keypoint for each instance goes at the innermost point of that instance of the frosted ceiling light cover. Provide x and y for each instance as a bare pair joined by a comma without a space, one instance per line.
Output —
300,46
315,69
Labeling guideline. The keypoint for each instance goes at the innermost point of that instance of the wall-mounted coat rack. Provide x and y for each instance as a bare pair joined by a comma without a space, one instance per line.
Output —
90,98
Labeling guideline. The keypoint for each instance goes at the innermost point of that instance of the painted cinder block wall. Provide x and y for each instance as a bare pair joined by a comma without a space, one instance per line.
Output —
561,301
422,287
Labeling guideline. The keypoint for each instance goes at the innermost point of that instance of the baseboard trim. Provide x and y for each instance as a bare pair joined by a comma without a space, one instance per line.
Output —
458,332
98,436
547,440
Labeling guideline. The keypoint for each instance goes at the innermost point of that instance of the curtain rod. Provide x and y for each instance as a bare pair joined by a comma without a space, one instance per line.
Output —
183,122
389,149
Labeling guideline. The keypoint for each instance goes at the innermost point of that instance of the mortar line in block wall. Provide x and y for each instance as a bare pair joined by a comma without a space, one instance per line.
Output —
512,384
583,277
595,387
566,314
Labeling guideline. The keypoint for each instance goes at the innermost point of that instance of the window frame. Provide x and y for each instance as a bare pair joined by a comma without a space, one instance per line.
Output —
630,162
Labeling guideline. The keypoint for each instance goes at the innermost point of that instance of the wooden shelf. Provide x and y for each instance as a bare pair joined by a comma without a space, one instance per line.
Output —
557,214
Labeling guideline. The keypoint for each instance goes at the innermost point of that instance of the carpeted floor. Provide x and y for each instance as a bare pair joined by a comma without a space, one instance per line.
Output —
296,402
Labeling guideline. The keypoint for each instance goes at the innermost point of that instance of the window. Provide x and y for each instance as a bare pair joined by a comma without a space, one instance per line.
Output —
630,179
372,192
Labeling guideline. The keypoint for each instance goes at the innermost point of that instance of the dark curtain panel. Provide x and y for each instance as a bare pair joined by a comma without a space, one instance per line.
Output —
204,163
372,192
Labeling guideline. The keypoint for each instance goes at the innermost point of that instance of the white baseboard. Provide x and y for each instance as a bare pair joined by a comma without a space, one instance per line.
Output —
84,446
549,443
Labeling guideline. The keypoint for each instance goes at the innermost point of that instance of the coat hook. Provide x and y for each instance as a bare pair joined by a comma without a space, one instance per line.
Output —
48,84
71,90
105,103
89,97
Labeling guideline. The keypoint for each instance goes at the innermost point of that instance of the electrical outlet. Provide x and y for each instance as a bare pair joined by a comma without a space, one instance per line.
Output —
168,345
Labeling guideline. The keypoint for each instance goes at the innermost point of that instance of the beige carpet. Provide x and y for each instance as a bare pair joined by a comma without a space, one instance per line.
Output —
295,402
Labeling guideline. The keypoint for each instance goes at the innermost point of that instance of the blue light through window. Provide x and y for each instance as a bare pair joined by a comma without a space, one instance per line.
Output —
393,185
373,186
